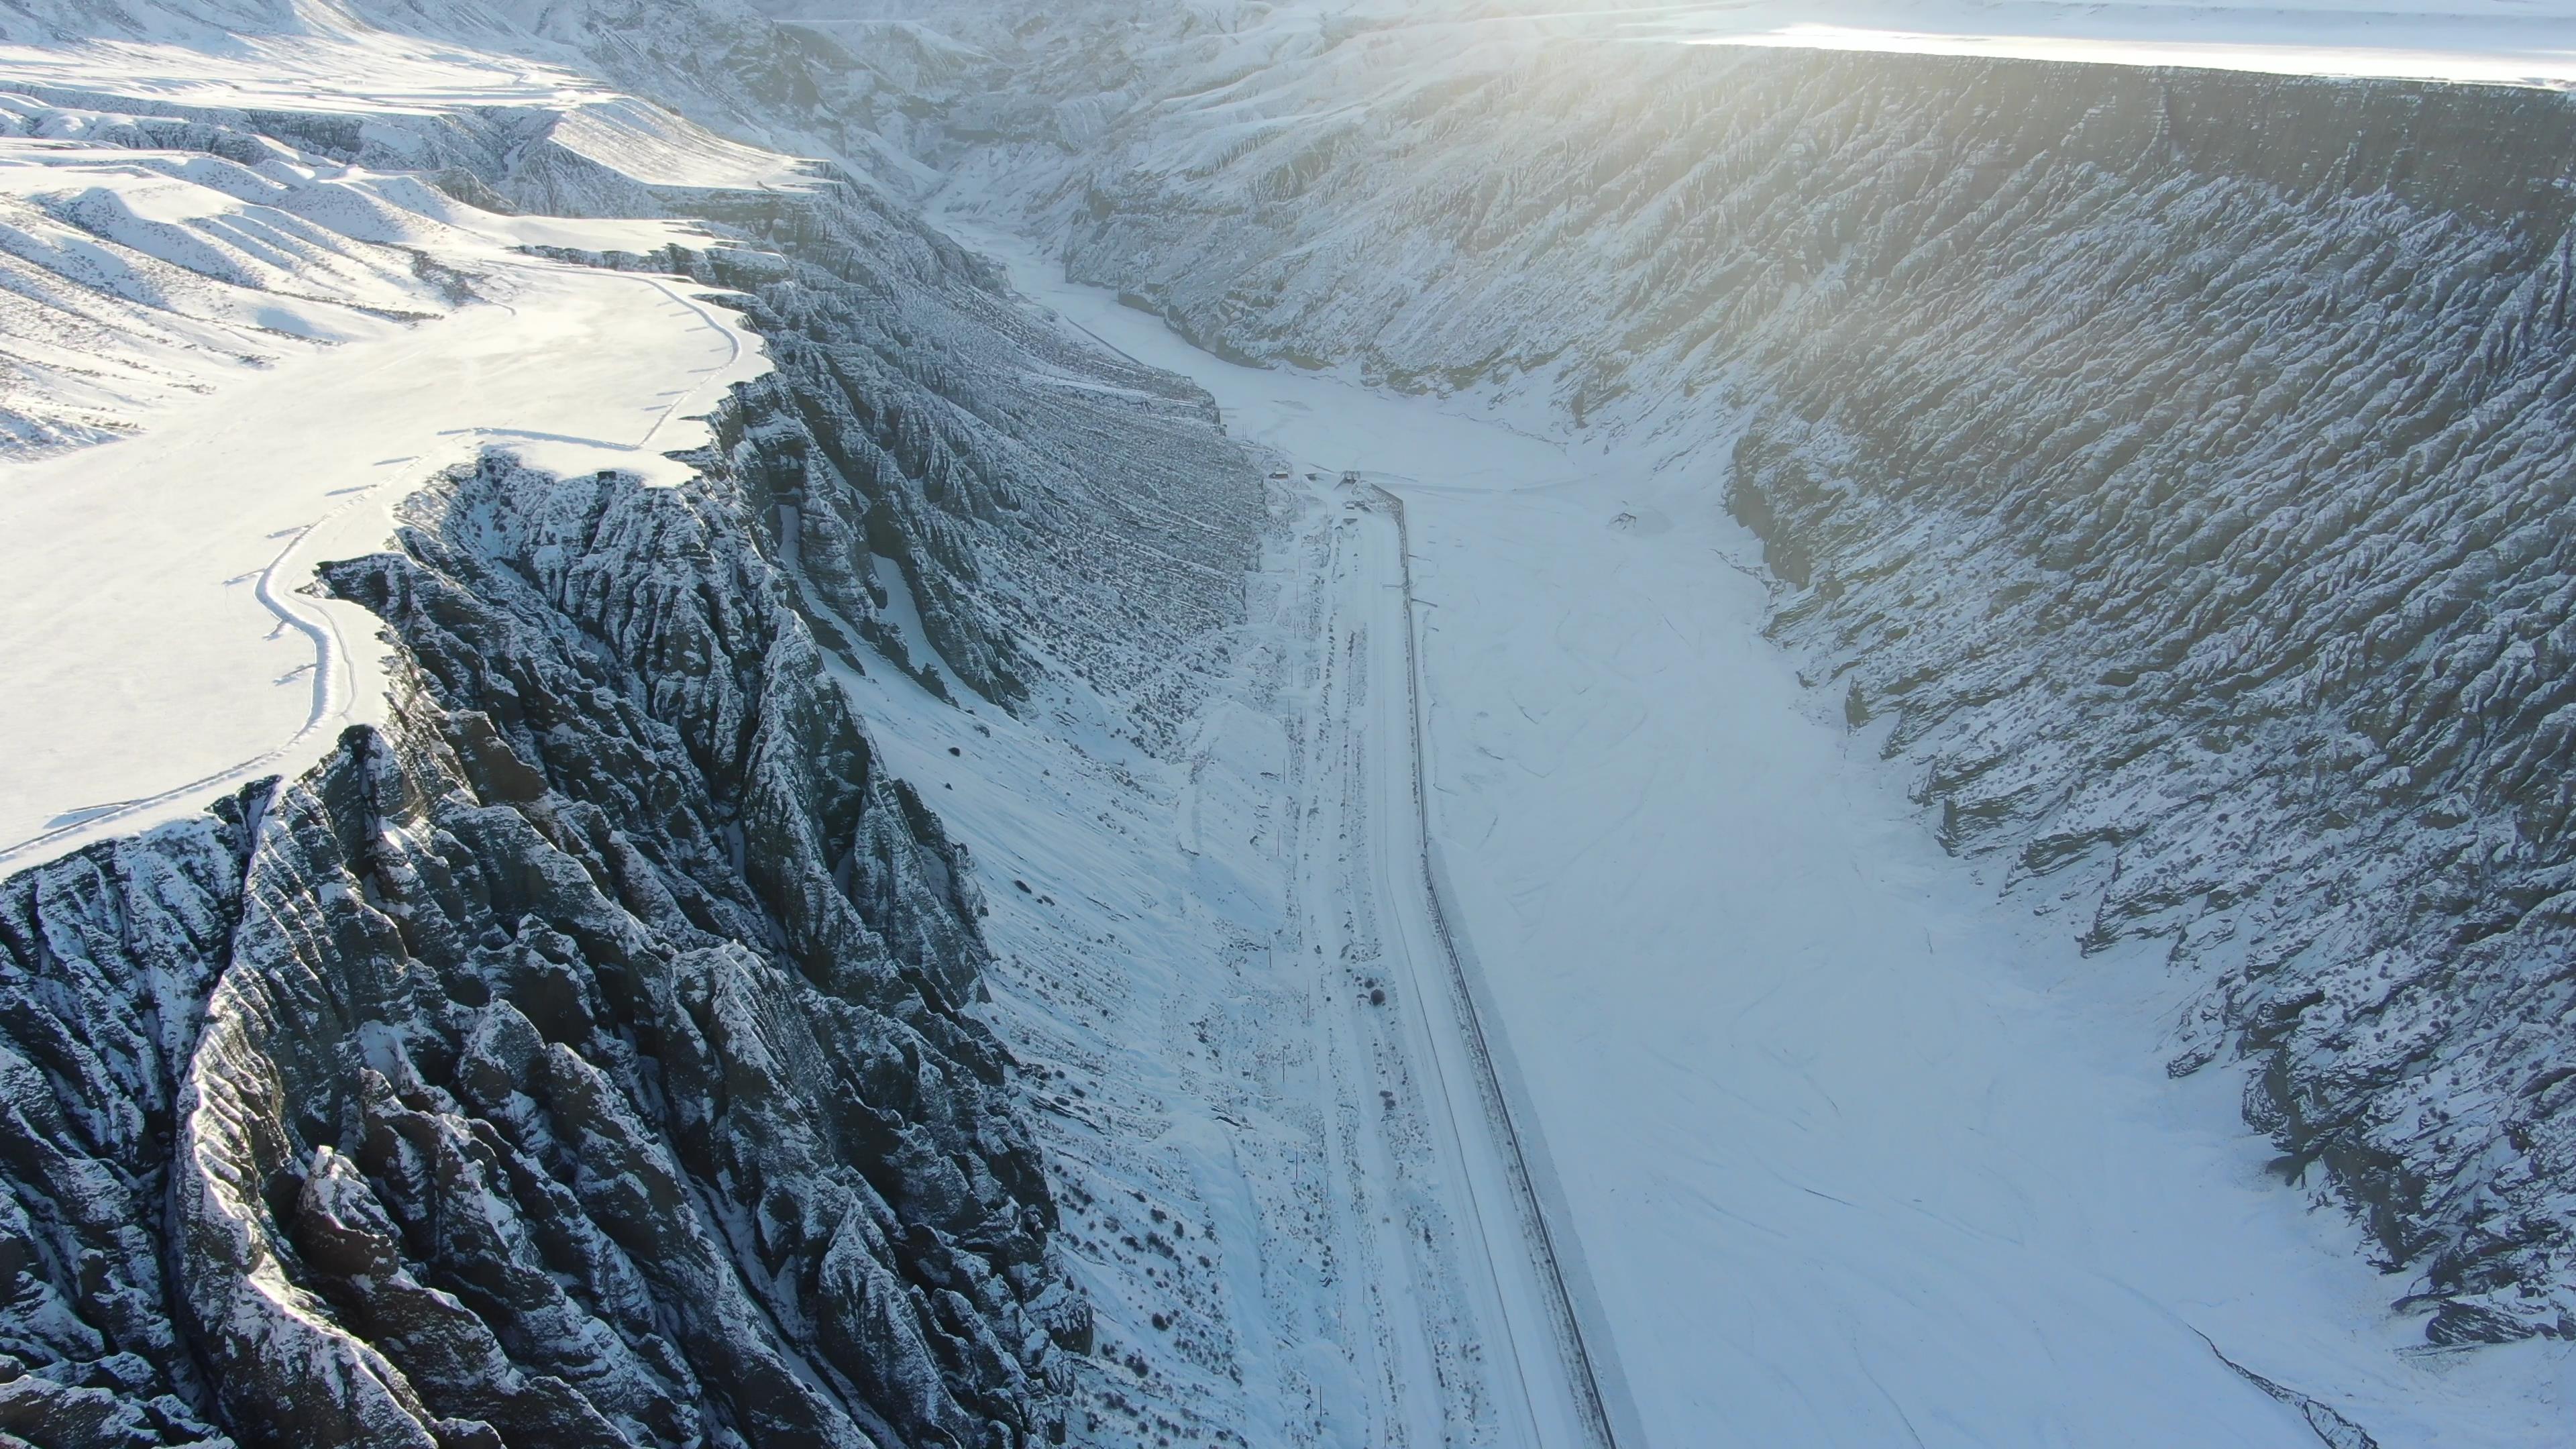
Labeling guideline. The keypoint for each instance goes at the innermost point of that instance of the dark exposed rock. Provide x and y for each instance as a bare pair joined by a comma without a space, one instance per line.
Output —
576,1060
917,417
586,1054
108,957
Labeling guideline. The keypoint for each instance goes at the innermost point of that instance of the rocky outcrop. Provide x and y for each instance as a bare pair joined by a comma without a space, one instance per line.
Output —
1048,506
109,957
588,1055
1051,509
2173,464
585,1055
2229,594
582,1059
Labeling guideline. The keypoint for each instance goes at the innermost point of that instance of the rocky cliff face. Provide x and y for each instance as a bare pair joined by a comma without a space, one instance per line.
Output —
1049,507
2178,460
1054,511
588,1056
581,1060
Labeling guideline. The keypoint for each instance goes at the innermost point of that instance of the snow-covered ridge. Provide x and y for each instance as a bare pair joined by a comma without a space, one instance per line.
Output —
2523,43
493,1081
204,245
644,687
302,1157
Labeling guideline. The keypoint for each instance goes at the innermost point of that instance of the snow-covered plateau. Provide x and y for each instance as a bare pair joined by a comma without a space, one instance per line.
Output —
1200,722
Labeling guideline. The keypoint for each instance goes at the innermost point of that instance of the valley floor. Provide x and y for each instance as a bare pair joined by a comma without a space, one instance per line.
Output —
1286,1195
1846,1150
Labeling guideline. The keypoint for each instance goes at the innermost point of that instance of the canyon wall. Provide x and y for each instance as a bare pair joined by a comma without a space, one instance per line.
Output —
2173,465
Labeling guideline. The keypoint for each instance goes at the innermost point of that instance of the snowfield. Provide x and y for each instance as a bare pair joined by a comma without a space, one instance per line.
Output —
232,371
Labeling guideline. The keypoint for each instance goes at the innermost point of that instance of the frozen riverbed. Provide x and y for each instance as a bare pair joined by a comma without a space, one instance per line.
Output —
1857,1153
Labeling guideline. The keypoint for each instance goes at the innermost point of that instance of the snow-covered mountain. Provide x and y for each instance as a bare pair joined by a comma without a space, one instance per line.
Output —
831,855
580,1047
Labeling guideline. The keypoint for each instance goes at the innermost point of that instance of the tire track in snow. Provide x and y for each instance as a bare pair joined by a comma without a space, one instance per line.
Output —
1583,1364
331,693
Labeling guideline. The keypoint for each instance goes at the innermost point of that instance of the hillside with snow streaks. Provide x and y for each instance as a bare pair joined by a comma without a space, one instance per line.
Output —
2178,460
2493,42
582,1042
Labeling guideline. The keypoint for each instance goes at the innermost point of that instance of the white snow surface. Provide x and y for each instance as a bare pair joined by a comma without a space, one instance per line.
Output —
1840,1149
1287,1238
2492,42
384,77
1849,1151
230,373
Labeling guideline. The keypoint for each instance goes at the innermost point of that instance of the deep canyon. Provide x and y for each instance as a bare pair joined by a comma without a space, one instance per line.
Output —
1146,723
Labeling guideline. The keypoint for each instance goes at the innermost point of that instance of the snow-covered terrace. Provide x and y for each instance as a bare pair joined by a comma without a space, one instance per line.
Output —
238,369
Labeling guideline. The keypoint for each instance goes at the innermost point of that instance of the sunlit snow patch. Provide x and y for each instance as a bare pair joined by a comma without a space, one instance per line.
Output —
2487,43
226,358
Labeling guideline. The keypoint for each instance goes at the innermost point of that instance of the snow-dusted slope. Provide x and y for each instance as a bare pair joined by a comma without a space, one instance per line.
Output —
582,1048
791,91
259,233
2177,457
2496,42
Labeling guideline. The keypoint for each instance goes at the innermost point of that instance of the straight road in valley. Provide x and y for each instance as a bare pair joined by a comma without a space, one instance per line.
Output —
1542,1368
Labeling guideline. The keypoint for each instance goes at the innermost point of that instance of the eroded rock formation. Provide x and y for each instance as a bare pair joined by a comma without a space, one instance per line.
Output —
578,1060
